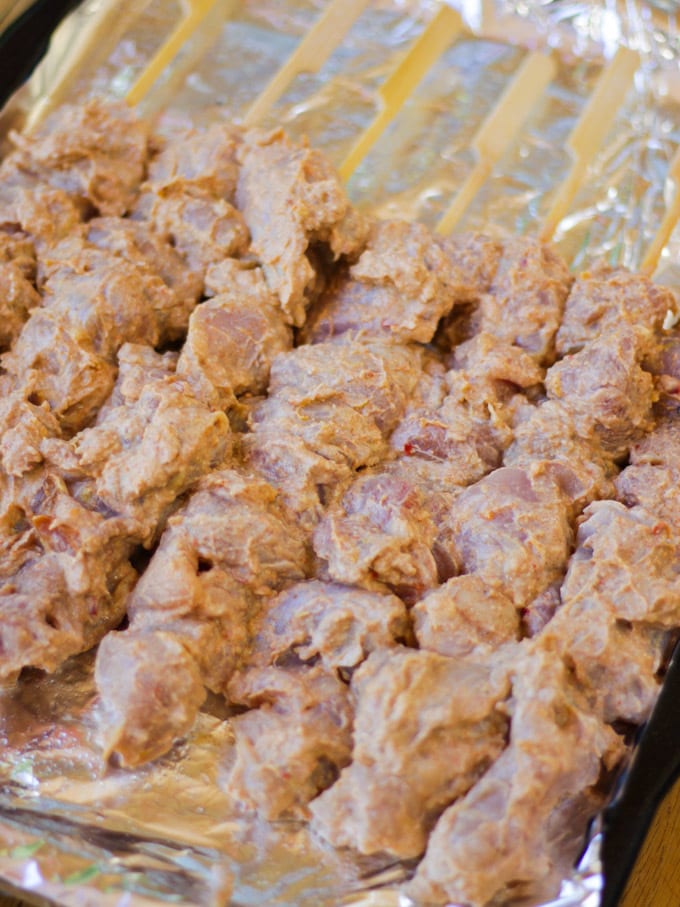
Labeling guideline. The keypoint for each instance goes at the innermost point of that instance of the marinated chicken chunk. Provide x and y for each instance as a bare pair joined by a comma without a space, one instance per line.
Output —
305,207
471,426
547,432
507,834
47,216
375,379
426,728
380,536
310,452
275,771
465,617
339,624
404,282
608,395
17,297
513,530
620,592
234,337
604,298
95,152
72,582
652,477
174,289
526,299
228,545
140,457
199,158
24,426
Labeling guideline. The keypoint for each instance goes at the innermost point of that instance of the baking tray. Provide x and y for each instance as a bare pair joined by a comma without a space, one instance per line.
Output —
57,842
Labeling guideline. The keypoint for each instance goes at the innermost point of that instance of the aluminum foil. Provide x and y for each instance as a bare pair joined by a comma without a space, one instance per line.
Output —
76,832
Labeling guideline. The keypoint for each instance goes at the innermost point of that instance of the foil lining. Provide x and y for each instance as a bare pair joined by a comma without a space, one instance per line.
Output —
76,832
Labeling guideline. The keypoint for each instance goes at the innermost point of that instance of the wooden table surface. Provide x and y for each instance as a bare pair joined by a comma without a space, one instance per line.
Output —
655,881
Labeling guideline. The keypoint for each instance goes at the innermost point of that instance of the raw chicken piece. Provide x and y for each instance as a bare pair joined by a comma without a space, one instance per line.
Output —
620,592
24,426
548,433
465,617
608,395
17,297
202,228
49,364
305,206
512,529
96,152
47,216
340,624
73,580
526,298
140,457
293,741
652,478
311,452
374,378
380,536
229,544
604,298
233,338
158,262
200,159
426,728
508,832
404,282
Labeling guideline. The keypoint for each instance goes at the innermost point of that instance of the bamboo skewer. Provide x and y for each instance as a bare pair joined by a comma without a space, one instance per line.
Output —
499,129
196,12
671,217
99,32
311,53
440,32
590,131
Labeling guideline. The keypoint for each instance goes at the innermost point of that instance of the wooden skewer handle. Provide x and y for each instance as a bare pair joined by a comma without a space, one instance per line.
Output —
591,130
670,219
198,10
499,129
311,53
439,33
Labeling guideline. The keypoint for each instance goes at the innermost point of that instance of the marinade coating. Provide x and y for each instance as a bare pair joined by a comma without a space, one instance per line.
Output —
425,729
339,624
513,530
507,834
465,617
234,336
231,543
305,207
403,283
619,595
96,152
603,298
276,771
606,391
141,456
72,580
